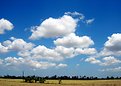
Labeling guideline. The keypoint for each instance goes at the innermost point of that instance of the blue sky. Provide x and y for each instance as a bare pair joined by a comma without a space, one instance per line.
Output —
66,37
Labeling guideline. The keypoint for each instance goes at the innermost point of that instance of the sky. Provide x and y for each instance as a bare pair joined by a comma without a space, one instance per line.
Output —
60,37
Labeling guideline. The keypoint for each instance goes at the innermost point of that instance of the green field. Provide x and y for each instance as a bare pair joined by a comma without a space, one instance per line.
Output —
19,82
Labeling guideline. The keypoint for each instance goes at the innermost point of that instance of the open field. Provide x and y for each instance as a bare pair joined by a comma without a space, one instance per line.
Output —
19,82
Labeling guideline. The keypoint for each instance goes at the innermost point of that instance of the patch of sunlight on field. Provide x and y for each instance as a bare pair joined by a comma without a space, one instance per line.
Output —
51,81
85,82
19,82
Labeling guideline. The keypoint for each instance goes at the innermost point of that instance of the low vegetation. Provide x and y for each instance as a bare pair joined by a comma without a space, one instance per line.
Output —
59,81
20,82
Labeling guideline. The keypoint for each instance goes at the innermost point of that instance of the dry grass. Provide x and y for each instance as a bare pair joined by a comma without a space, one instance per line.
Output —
19,82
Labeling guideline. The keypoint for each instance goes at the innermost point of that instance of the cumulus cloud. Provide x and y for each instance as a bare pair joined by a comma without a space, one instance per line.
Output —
29,50
111,50
80,15
52,27
20,46
58,53
29,63
113,45
17,62
90,21
17,45
106,61
67,44
41,52
93,60
110,61
72,13
72,40
24,54
5,25
40,65
13,61
65,52
115,69
61,65
3,49
86,51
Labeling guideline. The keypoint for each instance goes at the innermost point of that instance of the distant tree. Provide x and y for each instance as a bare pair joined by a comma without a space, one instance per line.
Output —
53,77
95,78
107,77
112,77
87,78
117,77
47,77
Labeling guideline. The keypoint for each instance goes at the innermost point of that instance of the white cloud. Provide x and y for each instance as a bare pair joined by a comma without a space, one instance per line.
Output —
112,48
115,69
113,45
72,40
110,61
3,49
90,21
58,53
40,65
67,44
106,61
17,45
13,61
61,65
86,51
41,52
24,53
93,60
80,15
52,27
113,42
5,25
65,52
72,13
6,43
17,62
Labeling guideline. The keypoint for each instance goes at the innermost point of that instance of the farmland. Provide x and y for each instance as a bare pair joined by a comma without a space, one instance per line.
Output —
19,82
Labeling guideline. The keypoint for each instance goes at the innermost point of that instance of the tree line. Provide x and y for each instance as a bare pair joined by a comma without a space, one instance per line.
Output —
55,77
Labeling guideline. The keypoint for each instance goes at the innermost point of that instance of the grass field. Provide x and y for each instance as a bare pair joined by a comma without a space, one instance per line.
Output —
19,82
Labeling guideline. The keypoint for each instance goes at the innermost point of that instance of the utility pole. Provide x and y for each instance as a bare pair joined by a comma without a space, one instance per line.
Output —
23,75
